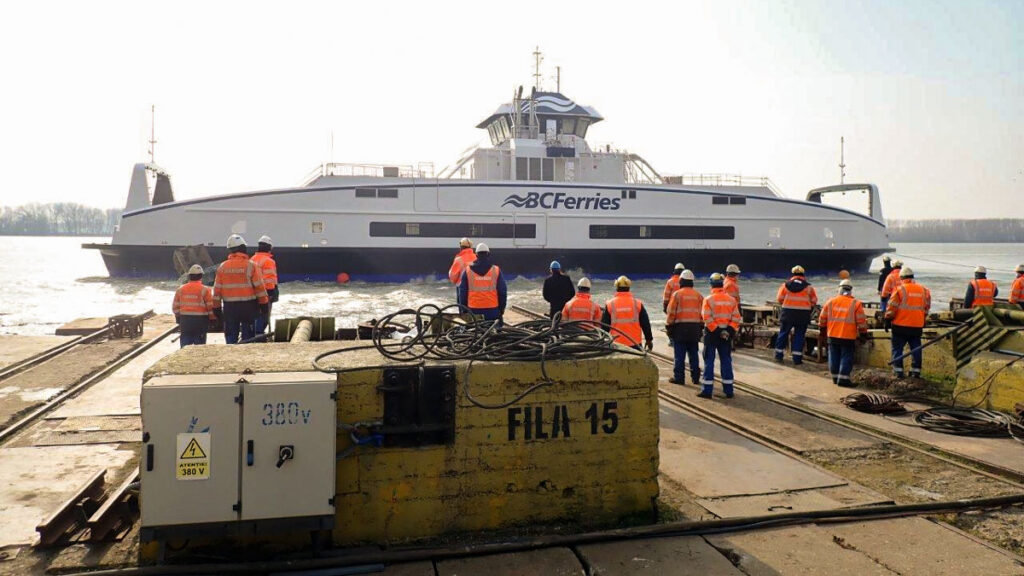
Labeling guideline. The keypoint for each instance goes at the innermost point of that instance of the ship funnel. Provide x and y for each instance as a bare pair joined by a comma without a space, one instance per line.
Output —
138,191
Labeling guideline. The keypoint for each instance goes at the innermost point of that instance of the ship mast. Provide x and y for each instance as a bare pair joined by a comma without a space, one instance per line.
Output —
537,59
152,134
842,161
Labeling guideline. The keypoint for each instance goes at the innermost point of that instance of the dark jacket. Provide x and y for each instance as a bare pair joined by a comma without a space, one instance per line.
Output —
793,315
645,321
969,296
558,290
482,266
883,274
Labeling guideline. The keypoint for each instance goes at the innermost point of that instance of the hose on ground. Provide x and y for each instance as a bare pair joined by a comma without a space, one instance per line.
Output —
970,422
873,403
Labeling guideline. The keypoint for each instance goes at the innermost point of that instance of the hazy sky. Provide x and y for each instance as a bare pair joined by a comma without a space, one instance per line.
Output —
929,95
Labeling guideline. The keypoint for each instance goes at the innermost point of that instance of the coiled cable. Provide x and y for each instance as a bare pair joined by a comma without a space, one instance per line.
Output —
873,403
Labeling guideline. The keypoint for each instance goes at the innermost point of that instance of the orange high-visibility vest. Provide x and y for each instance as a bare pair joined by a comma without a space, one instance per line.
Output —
463,259
732,287
909,304
581,307
803,300
1017,291
268,268
720,310
238,280
670,288
483,289
891,282
193,299
844,317
984,292
624,311
685,306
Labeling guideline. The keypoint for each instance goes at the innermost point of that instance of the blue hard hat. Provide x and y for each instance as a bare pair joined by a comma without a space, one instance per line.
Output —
555,265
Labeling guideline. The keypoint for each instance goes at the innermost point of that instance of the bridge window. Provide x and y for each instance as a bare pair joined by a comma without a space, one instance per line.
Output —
451,230
316,227
387,193
630,232
366,192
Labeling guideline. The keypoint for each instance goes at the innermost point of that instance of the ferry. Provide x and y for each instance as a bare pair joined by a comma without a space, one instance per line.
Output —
538,193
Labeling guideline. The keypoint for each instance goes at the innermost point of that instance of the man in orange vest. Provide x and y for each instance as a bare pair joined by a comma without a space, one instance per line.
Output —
193,308
684,324
981,291
892,280
464,258
268,267
732,282
239,285
843,319
625,317
671,285
1017,291
798,298
721,315
582,308
908,308
482,288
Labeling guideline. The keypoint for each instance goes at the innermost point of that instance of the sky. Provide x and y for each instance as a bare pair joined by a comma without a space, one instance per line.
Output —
929,95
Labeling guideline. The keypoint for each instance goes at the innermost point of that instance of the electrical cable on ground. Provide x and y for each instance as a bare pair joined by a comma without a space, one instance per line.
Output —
873,403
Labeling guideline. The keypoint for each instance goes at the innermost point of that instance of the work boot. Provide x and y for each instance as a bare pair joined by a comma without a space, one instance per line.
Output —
695,378
798,361
704,394
778,358
915,374
673,380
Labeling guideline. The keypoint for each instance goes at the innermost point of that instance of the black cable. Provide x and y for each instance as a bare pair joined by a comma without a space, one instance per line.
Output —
970,422
873,403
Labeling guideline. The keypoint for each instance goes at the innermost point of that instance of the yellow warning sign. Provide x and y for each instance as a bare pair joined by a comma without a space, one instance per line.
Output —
193,456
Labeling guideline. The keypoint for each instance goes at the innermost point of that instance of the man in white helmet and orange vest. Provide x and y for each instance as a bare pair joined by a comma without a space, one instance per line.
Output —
981,291
464,258
671,285
685,325
905,316
193,308
843,320
797,298
581,308
721,315
482,288
268,267
1017,291
239,285
625,317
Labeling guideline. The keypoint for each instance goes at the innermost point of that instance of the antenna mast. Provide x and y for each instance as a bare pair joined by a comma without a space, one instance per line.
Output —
152,134
537,59
558,79
842,161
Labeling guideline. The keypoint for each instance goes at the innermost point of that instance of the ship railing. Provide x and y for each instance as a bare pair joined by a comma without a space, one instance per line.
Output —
422,170
717,179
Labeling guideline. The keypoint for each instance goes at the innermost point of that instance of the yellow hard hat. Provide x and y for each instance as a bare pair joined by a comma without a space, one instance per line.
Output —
622,282
716,279
798,269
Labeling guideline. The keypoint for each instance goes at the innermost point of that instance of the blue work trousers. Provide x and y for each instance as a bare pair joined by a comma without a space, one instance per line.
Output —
263,320
240,316
840,360
799,330
192,338
713,344
898,343
686,351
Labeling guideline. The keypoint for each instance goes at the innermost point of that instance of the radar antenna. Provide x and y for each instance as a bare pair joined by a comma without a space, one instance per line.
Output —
152,134
537,59
842,161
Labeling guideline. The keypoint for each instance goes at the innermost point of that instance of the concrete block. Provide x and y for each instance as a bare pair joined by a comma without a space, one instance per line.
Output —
550,562
1001,392
938,362
679,556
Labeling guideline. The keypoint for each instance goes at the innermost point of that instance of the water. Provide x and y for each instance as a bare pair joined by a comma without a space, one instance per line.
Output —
51,280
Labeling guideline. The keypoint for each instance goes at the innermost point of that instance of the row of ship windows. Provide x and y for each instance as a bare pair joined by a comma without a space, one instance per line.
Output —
498,230
393,193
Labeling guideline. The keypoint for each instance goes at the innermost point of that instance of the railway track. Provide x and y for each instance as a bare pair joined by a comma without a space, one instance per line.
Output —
986,469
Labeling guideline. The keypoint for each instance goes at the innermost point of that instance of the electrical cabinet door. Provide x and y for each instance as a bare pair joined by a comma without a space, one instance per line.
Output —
288,446
189,468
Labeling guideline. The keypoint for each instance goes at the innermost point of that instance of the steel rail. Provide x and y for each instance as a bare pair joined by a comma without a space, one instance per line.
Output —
45,355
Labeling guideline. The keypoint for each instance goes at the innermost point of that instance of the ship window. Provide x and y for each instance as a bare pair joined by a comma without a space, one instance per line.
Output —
547,169
493,134
632,194
624,193
366,192
737,200
568,125
534,168
630,232
504,133
451,230
387,192
720,200
521,169
581,127
316,227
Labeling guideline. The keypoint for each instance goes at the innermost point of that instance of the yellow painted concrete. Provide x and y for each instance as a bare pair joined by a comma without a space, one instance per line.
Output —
938,361
1002,392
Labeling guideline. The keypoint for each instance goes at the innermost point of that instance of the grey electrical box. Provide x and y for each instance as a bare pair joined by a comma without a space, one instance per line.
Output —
227,449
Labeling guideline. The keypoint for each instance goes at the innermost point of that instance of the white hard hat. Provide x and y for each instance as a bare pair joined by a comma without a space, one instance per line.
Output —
266,240
195,269
687,275
679,266
1020,269
980,270
732,269
897,263
906,272
583,283
481,247
845,283
465,243
235,240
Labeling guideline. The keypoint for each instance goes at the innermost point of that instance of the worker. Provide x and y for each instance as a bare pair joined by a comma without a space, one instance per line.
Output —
684,324
268,267
239,285
626,317
981,291
843,319
482,288
671,285
193,308
721,315
464,258
905,316
732,282
557,289
884,272
1017,291
892,280
798,298
581,307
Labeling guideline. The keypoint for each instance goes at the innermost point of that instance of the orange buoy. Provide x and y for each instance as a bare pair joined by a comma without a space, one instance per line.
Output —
844,274
343,278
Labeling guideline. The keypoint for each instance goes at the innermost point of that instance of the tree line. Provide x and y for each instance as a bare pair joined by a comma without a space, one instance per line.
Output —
954,230
58,218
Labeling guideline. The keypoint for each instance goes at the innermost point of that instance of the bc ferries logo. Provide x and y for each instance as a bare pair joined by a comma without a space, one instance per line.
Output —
561,200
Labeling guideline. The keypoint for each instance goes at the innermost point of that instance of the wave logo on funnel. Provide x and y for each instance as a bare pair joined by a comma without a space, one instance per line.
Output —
561,201
520,201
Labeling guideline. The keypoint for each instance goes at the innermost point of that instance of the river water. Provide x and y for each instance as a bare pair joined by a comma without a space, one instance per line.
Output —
51,280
